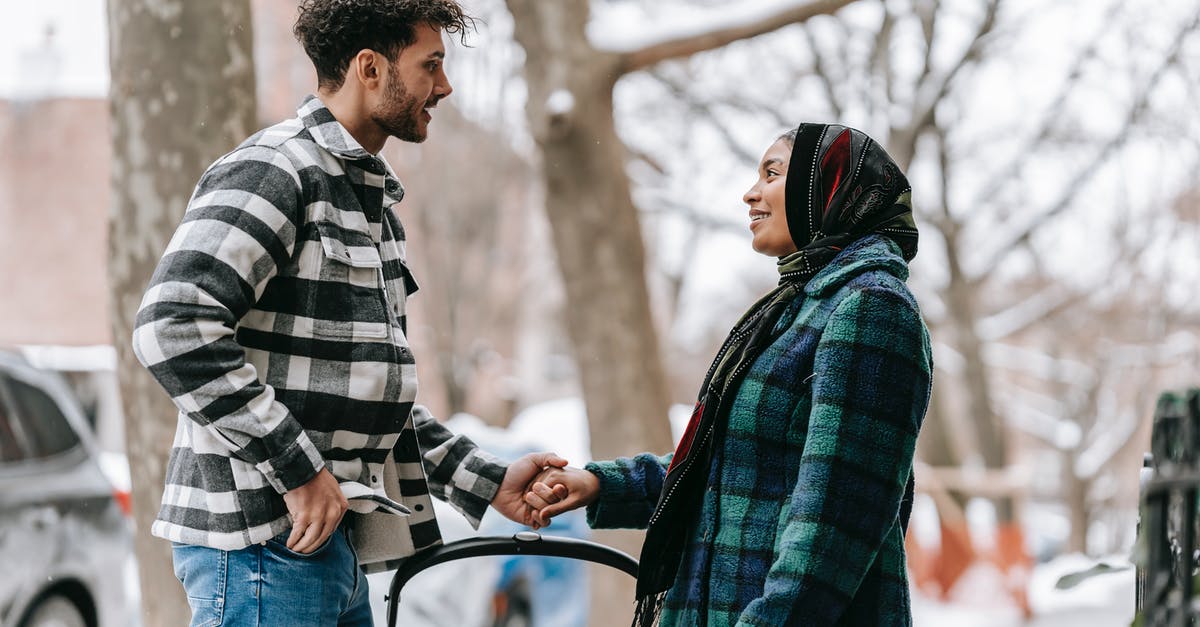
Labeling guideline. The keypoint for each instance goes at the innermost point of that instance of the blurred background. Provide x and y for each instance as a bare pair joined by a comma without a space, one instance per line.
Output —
575,223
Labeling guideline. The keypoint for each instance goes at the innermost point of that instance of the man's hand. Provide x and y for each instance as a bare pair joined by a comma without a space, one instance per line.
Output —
510,498
558,490
316,508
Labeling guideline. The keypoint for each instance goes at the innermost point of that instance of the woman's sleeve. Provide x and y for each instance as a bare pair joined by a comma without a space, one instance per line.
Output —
870,390
629,490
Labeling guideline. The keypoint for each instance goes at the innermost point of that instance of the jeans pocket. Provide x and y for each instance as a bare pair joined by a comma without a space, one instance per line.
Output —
206,612
278,544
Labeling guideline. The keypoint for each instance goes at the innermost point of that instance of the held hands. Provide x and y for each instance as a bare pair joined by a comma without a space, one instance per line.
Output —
510,498
560,489
316,509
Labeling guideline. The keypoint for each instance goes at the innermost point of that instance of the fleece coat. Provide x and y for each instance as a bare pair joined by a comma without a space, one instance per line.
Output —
801,522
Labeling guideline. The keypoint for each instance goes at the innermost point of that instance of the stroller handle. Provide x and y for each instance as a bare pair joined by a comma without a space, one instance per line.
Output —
523,543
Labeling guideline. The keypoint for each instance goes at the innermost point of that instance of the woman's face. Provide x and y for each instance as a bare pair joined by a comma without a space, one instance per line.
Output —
768,220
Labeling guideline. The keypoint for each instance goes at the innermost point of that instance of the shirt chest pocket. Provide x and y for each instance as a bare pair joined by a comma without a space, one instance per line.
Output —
348,297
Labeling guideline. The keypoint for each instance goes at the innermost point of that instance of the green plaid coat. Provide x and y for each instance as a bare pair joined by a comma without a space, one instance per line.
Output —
800,523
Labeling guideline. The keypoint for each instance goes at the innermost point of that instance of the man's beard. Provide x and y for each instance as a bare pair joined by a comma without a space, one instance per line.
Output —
399,113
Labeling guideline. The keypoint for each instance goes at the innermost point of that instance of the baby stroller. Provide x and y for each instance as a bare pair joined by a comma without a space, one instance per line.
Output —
523,543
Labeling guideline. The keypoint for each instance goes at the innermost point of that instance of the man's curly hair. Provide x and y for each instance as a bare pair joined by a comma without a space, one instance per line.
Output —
333,31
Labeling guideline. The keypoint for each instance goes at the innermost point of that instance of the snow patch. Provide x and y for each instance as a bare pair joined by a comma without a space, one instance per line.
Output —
560,102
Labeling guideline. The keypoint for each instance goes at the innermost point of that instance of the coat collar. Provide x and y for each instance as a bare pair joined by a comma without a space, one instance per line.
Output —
873,252
327,132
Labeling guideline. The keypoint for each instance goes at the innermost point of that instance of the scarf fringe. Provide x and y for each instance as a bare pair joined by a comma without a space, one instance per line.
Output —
649,610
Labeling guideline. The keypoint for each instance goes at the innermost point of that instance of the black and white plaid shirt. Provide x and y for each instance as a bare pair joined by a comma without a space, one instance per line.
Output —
276,322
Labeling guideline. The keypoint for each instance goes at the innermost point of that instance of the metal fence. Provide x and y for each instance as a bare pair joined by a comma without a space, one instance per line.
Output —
1167,554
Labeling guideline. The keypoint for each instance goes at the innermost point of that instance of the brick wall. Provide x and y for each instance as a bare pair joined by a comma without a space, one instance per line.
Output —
54,203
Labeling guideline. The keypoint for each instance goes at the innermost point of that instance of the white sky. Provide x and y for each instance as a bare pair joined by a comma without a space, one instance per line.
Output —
79,41
709,178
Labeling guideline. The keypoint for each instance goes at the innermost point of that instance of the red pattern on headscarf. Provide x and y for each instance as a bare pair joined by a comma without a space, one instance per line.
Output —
835,166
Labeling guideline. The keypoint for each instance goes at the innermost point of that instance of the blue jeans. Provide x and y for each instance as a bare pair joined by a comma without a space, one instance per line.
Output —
267,584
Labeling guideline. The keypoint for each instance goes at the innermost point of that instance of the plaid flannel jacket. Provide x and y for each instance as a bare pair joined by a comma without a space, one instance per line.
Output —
800,524
276,322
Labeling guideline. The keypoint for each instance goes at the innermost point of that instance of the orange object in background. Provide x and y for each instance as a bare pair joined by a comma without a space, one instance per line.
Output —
1015,562
124,500
921,565
935,571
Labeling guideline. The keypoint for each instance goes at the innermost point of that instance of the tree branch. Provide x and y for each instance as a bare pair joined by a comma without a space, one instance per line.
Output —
928,14
1139,107
693,216
822,72
704,110
1053,116
880,60
903,141
691,44
1025,314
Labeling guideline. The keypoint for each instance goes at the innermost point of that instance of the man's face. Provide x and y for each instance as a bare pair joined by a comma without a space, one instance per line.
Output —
416,81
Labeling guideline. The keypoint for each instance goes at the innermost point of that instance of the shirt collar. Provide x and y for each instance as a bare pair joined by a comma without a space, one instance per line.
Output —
327,132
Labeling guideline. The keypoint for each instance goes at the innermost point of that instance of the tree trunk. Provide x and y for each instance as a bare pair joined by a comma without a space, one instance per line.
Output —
595,226
601,256
182,93
596,232
990,434
1075,491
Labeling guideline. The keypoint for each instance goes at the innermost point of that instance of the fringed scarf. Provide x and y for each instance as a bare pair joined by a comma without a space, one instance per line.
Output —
840,186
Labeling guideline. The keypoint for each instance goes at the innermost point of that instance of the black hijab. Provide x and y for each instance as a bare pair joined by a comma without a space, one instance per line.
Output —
841,186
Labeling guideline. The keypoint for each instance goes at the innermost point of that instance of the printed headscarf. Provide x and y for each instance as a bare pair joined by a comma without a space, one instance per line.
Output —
842,185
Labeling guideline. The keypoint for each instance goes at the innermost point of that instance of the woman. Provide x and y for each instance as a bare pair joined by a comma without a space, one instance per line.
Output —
787,498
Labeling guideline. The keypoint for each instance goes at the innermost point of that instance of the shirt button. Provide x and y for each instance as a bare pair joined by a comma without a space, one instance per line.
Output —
374,479
418,507
392,187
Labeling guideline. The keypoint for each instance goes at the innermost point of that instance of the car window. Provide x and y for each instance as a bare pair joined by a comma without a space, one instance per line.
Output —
46,430
10,449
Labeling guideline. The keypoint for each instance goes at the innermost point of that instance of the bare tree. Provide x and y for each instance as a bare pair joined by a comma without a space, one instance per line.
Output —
913,73
909,73
468,247
1082,382
981,234
182,93
595,226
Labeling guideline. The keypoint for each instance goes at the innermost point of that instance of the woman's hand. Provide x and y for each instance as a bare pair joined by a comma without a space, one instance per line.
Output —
558,490
521,474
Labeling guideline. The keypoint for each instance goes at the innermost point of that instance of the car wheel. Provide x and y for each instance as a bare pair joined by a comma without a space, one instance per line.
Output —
55,611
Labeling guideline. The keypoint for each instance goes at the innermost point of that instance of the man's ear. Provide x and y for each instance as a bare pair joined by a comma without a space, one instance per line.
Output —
368,67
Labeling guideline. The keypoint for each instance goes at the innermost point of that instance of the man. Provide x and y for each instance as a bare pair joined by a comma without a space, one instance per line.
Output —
276,322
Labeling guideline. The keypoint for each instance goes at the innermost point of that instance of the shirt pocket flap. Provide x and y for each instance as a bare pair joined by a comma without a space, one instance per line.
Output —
352,248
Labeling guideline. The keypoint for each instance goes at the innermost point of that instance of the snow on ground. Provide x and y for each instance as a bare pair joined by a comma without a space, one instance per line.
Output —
978,601
1102,601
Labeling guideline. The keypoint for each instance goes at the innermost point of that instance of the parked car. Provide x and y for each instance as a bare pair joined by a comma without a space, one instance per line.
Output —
65,533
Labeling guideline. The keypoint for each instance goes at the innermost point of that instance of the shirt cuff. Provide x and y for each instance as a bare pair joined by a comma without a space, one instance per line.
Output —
474,485
294,467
